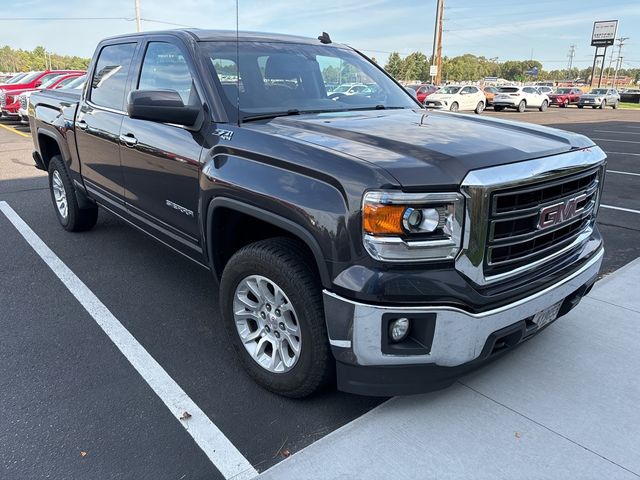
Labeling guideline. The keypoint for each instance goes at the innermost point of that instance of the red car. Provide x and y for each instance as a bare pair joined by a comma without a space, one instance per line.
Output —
35,79
9,103
423,91
565,96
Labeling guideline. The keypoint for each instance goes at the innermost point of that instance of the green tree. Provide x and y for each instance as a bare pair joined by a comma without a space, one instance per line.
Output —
395,65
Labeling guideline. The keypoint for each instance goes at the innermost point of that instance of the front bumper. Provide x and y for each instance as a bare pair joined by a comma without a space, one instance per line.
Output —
454,340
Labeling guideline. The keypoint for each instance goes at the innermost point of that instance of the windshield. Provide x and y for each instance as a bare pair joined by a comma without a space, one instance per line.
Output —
76,82
50,82
449,90
288,78
563,90
17,78
30,77
598,91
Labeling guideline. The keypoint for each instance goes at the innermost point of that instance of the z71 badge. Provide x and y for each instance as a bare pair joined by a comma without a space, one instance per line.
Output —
224,134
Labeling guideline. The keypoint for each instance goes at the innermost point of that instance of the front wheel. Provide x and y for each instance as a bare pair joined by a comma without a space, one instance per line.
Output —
479,107
522,106
544,106
580,106
63,195
454,107
564,104
603,104
272,309
615,105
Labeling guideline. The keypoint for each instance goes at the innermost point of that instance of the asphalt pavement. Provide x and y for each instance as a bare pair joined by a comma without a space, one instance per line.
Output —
74,406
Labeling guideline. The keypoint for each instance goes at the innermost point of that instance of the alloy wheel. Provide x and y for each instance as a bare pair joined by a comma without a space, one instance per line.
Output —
60,195
267,324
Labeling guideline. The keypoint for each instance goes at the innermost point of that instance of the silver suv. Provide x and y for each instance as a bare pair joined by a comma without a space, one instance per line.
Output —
600,98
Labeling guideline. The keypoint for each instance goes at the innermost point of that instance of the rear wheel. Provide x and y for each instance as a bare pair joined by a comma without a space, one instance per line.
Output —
603,104
272,309
522,106
479,107
63,195
580,106
454,107
544,106
498,108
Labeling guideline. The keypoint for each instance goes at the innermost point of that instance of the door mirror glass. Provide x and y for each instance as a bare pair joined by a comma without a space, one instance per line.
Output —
165,106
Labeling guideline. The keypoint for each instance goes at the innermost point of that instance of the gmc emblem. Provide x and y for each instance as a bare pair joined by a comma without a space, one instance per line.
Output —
561,212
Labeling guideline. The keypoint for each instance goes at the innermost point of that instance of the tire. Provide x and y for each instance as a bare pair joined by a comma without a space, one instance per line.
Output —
454,107
282,264
580,106
603,104
65,202
615,105
544,106
522,106
594,107
564,104
498,108
479,108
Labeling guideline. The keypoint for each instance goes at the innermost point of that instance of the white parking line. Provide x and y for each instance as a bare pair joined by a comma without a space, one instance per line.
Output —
612,140
222,453
611,131
620,208
624,173
623,153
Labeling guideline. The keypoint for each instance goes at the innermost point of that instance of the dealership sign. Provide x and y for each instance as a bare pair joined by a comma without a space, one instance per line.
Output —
604,33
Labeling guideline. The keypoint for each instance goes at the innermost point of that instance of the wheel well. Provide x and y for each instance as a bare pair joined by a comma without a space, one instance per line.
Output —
49,148
230,230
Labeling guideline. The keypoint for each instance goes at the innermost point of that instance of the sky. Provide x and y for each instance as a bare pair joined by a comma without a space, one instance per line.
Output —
506,29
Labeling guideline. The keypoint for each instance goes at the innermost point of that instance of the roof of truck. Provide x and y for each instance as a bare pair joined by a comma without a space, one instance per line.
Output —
226,36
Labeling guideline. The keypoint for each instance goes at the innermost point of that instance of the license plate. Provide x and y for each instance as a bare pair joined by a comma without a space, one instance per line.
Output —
547,316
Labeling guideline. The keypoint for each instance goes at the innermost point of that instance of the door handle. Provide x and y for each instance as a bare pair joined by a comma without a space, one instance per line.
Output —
129,139
82,125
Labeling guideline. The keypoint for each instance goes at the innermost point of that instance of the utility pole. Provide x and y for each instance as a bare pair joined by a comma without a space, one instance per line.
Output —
621,41
137,9
436,57
572,53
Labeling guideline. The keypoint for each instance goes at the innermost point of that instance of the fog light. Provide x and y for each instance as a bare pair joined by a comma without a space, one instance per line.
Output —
398,329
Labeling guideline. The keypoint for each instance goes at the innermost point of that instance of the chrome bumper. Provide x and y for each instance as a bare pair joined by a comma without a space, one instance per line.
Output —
459,336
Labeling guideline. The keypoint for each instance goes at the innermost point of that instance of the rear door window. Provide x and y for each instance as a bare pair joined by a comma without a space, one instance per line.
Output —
109,80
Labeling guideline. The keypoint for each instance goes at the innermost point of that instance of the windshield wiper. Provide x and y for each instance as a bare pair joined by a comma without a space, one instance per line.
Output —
264,116
372,107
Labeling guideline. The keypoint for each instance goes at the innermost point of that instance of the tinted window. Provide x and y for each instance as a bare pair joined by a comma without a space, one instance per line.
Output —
165,68
509,89
65,83
529,90
110,78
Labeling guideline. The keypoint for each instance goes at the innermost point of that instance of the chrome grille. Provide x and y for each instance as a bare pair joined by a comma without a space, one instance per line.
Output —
514,237
3,99
23,102
523,215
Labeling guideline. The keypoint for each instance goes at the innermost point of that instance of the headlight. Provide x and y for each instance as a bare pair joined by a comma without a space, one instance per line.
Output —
414,227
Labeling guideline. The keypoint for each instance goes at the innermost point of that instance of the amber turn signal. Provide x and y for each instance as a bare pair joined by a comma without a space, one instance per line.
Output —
382,219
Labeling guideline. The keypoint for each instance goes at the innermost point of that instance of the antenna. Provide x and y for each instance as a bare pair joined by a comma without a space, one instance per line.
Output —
324,38
238,59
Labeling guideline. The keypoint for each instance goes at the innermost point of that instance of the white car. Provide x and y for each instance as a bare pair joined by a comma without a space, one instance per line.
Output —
352,89
457,98
546,90
520,98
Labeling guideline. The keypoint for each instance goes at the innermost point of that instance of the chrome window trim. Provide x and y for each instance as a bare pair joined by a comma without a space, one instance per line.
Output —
478,186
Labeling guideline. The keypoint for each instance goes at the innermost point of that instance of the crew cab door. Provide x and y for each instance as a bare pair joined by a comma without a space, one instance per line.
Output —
98,122
160,161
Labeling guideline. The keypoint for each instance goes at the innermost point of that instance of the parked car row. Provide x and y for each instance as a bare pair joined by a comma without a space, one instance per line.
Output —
15,93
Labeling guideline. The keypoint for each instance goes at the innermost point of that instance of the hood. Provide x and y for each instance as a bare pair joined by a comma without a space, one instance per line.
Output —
593,95
421,148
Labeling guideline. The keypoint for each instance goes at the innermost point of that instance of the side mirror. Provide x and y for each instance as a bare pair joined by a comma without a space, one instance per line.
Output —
165,106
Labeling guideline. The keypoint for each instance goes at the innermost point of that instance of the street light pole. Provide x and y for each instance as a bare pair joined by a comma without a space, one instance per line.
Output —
137,9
